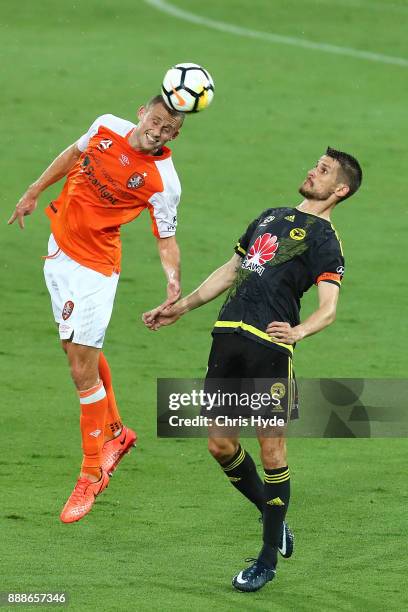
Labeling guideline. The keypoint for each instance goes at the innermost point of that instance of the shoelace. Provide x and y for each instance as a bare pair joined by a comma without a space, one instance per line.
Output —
256,568
250,571
80,488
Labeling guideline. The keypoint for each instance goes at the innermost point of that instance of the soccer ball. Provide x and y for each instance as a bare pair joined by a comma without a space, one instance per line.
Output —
188,88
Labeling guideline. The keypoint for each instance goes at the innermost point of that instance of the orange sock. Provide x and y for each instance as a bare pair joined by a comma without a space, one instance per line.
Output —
94,404
113,422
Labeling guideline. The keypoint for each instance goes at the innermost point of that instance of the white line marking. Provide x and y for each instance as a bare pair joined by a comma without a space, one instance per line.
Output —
222,26
366,6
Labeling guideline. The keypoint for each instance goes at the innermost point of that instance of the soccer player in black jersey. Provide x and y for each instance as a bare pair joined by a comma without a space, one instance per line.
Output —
283,252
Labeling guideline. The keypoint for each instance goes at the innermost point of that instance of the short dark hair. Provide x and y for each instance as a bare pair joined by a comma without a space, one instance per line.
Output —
350,170
159,100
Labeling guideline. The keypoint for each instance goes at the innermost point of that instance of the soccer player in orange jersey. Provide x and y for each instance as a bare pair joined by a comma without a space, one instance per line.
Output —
114,171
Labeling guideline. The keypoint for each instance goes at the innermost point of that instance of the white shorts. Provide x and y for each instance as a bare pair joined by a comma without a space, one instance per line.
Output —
82,299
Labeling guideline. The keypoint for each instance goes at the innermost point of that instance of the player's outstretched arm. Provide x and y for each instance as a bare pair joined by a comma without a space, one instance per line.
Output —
55,171
220,280
318,320
170,259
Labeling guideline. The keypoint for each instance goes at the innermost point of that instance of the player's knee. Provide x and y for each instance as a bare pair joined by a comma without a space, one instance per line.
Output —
273,453
222,449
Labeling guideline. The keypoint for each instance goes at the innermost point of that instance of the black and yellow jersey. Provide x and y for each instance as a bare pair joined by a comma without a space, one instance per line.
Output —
284,252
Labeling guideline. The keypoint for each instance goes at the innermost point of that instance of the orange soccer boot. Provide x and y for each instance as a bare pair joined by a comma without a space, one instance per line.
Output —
114,450
82,498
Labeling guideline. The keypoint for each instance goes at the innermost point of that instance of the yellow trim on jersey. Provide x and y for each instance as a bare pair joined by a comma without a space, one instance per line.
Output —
338,238
240,249
252,330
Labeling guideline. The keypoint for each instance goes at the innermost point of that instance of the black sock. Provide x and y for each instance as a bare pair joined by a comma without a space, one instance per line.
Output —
242,474
277,495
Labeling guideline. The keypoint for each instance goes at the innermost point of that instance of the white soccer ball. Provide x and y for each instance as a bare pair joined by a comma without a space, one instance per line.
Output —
188,88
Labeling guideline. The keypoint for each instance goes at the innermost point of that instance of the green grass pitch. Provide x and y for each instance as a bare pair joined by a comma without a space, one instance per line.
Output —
169,533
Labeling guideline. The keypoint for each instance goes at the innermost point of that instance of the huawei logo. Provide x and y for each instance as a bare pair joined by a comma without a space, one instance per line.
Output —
263,249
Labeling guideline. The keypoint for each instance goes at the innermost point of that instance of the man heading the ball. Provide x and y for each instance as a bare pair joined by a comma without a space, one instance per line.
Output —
114,171
281,255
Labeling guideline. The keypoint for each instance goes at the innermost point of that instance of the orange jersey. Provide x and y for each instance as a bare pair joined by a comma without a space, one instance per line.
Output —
111,184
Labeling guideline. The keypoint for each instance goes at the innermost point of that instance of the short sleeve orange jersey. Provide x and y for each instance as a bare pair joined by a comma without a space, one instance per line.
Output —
111,184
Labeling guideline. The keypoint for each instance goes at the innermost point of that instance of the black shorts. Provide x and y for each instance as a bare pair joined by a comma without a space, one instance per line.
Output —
241,367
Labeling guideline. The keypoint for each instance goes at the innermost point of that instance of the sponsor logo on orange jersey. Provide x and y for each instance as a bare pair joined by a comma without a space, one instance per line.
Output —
124,160
104,144
89,171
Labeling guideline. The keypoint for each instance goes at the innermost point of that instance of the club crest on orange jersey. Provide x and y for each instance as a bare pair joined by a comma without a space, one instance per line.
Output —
67,310
135,181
